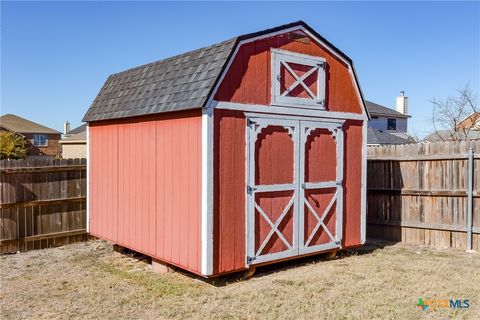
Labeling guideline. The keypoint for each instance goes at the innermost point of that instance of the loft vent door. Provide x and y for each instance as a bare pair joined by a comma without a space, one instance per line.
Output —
321,190
272,189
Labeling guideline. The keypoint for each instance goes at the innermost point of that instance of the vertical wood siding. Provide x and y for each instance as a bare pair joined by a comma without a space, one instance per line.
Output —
249,77
146,185
229,191
352,183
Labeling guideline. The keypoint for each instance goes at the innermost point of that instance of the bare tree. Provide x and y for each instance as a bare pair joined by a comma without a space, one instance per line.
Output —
449,114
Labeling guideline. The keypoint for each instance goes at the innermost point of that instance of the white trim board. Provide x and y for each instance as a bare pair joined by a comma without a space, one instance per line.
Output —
295,28
284,58
288,111
88,177
363,210
207,192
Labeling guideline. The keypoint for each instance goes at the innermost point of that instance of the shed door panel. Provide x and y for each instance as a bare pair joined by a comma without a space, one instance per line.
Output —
272,190
295,193
321,193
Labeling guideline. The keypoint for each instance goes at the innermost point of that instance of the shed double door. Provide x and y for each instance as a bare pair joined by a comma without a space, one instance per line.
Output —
294,187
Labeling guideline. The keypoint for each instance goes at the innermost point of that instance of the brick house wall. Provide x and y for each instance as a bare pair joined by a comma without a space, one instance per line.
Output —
53,148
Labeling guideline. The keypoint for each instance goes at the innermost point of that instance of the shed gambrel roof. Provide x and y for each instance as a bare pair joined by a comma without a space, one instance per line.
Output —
178,83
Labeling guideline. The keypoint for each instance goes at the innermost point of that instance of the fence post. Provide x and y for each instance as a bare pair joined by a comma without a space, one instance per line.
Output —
470,199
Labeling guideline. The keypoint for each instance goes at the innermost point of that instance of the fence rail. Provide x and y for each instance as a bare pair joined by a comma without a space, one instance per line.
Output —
420,193
42,203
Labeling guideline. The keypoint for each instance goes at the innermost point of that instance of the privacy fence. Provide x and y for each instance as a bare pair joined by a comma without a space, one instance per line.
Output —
417,193
426,194
42,203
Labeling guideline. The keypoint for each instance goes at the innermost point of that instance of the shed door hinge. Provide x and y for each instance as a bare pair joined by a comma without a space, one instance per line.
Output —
250,189
250,122
251,259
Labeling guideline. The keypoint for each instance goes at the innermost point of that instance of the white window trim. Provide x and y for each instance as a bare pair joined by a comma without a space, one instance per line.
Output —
280,57
40,145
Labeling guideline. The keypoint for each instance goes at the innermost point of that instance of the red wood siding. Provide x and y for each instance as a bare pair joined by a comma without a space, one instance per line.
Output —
229,191
352,183
145,191
249,78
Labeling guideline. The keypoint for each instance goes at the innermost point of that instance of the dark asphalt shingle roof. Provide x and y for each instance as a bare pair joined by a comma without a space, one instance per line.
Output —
181,82
18,124
79,134
375,109
78,129
375,136
178,83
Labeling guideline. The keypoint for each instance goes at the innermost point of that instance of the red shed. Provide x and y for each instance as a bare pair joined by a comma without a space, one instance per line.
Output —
242,153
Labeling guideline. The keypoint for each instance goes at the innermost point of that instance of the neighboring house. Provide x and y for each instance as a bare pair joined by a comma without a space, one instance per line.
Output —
467,129
74,142
41,140
471,122
388,126
446,135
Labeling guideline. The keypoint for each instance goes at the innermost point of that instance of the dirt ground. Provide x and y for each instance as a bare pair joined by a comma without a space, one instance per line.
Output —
378,281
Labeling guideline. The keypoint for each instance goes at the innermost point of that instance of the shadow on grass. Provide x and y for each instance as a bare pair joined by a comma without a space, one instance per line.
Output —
369,247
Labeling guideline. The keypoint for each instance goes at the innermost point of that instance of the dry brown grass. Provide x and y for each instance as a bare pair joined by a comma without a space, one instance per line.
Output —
89,280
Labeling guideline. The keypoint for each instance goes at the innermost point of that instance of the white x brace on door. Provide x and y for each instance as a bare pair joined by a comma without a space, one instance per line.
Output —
281,220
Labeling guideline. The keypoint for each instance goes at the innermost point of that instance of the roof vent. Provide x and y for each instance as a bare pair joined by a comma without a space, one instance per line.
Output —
402,103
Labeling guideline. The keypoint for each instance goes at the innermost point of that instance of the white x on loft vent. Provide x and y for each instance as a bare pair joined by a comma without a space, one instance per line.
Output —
298,80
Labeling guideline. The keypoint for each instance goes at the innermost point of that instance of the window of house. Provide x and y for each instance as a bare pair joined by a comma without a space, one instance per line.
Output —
298,80
40,140
392,124
374,117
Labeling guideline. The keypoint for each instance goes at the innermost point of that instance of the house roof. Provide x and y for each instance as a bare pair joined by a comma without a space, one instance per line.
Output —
78,129
75,138
18,124
375,109
446,135
375,136
77,135
181,82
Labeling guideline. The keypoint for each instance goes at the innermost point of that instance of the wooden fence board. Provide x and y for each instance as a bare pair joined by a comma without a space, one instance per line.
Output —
42,203
417,193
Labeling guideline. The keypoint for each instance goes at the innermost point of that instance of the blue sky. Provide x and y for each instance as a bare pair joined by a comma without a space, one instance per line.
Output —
55,56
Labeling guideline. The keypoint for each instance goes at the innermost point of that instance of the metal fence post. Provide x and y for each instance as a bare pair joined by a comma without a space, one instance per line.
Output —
470,199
